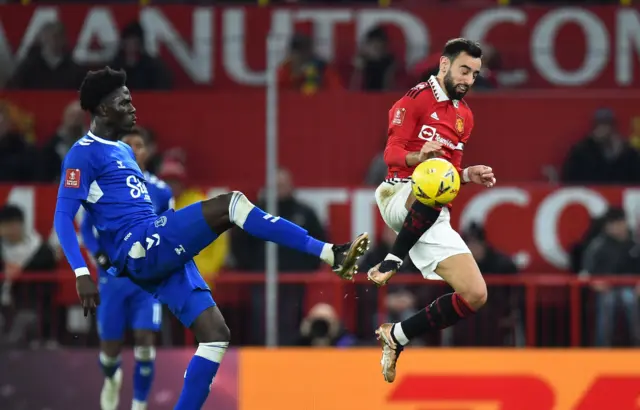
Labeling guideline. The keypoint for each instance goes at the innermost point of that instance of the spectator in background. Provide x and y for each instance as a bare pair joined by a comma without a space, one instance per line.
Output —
378,169
249,255
18,158
49,64
144,72
322,328
304,71
614,252
249,252
154,162
399,300
23,250
634,138
212,258
502,321
73,127
375,67
602,157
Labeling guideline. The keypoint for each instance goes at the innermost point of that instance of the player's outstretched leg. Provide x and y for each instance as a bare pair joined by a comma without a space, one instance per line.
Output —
213,336
419,219
234,208
110,364
145,355
462,273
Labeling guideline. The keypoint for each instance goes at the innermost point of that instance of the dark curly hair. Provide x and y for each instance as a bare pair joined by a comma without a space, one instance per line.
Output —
99,84
455,46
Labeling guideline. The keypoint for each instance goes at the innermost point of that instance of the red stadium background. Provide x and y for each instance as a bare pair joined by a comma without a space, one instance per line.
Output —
330,139
571,61
586,47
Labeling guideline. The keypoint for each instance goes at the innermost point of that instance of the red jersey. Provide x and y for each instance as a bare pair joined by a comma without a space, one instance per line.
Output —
425,113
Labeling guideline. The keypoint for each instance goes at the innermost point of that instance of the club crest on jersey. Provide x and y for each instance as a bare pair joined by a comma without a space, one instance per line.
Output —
459,125
398,117
72,178
160,222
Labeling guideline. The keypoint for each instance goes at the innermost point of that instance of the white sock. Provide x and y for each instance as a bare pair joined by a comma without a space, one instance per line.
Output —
213,351
392,257
327,254
398,333
138,405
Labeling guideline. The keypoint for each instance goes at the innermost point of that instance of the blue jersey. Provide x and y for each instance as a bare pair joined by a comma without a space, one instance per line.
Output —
106,180
161,197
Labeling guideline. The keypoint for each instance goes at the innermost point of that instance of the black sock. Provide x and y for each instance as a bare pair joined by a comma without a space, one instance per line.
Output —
443,312
419,219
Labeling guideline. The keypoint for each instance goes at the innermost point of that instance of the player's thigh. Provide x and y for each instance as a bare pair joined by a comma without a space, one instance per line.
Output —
170,242
185,293
392,199
462,273
145,311
210,326
438,243
111,315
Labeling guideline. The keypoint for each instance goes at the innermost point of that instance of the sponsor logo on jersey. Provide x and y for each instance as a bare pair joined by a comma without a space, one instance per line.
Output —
429,133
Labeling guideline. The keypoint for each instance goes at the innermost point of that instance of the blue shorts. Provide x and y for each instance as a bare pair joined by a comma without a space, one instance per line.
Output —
161,261
123,305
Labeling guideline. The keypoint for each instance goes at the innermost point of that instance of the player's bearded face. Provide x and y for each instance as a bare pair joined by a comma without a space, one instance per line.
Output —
455,90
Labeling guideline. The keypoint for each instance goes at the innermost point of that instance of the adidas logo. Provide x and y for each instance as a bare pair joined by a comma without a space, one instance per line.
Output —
435,116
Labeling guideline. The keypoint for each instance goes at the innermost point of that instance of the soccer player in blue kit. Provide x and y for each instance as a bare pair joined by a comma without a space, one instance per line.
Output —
124,305
156,251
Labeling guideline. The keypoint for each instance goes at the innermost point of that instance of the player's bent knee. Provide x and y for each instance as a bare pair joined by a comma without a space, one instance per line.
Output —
216,212
476,295
210,327
144,353
111,348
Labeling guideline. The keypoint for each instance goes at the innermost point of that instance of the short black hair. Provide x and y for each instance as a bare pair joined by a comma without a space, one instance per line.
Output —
377,33
11,213
614,214
99,84
455,46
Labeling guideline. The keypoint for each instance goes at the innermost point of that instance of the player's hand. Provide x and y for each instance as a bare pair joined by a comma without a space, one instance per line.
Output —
482,175
88,294
430,149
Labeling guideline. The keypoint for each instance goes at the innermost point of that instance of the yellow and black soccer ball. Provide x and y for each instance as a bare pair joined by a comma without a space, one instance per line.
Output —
435,182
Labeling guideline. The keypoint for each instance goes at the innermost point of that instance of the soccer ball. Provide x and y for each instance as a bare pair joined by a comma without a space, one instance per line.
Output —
435,182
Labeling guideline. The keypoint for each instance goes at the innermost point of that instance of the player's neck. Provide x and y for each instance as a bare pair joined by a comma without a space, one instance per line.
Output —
103,131
442,87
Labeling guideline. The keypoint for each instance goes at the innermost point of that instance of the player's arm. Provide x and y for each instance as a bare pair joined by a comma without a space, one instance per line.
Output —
479,174
90,241
77,176
88,237
402,125
456,157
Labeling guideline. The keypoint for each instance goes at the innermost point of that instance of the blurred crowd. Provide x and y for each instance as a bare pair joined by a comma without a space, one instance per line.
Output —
608,248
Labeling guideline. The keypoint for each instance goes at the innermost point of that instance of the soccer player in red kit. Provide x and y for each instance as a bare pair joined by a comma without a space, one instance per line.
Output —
430,120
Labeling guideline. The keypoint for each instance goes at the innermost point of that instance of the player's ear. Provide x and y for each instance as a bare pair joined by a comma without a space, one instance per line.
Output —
101,110
444,64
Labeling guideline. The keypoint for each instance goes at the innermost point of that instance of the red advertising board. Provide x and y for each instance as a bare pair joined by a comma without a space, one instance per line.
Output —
330,139
536,224
593,47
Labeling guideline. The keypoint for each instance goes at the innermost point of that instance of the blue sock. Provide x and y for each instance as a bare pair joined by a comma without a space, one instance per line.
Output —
271,228
199,375
109,365
143,374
